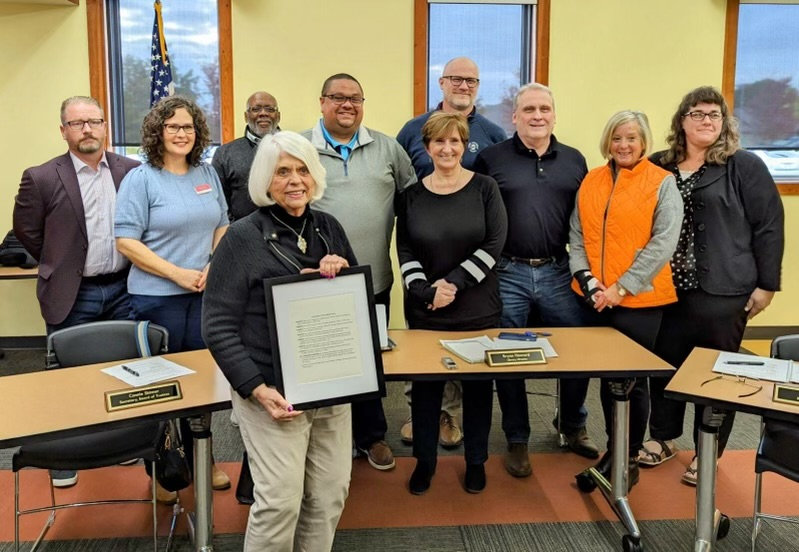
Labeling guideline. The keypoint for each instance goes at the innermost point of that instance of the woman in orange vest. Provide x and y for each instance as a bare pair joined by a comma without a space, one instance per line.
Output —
624,230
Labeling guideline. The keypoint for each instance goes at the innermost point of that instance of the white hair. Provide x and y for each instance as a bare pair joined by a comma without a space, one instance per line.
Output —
263,166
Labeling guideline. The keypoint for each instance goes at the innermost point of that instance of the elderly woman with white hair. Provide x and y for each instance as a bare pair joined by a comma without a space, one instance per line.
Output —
300,460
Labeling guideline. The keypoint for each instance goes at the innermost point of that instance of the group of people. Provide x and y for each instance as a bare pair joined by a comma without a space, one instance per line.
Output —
675,249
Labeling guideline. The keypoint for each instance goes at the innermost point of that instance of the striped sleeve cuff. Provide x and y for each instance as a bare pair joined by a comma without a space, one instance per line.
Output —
479,264
412,270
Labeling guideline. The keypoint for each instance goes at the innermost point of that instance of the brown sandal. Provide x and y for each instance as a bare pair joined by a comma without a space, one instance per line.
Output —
651,459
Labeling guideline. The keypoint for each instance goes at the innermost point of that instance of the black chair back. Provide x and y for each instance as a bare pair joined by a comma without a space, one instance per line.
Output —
786,347
103,342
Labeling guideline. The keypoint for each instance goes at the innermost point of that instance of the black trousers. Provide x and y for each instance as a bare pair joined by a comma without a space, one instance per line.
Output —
642,326
698,319
426,410
368,418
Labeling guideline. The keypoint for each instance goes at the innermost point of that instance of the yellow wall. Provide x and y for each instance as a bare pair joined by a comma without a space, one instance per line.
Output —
641,55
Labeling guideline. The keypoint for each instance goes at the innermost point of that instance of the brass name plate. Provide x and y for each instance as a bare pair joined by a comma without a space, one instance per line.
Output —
141,396
515,357
788,394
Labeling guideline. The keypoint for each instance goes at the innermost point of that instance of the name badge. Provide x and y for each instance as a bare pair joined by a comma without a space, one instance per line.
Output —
202,189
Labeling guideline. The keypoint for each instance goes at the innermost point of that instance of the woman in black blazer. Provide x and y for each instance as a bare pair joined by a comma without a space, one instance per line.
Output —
727,264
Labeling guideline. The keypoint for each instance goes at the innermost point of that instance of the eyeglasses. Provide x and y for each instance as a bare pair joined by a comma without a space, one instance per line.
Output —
338,99
255,109
738,379
174,129
457,81
699,116
79,124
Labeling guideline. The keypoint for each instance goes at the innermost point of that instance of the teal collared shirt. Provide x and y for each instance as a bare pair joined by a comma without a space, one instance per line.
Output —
343,149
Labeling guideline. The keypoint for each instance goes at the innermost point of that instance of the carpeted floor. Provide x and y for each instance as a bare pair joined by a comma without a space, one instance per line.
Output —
543,512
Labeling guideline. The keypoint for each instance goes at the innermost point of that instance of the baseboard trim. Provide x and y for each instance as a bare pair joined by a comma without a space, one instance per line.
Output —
769,332
23,342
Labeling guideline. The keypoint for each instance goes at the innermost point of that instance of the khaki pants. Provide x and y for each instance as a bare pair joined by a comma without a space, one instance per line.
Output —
301,471
451,401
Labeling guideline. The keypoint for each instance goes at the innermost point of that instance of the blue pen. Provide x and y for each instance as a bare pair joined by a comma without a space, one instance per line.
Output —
538,334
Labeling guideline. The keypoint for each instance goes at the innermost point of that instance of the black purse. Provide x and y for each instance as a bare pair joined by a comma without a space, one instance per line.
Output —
171,466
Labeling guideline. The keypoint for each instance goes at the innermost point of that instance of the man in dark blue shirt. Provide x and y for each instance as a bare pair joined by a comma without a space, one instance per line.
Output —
538,178
459,82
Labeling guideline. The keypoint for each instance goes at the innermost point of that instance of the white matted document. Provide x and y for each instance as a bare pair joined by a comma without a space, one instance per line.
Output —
147,370
324,334
756,367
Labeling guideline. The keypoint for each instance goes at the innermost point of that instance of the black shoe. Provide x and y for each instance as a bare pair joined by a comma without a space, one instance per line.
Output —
475,479
604,466
244,490
421,477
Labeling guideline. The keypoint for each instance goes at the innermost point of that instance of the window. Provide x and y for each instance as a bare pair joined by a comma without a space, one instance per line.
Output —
199,42
766,84
504,39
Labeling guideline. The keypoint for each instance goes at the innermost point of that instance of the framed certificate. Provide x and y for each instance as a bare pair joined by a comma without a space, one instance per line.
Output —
325,344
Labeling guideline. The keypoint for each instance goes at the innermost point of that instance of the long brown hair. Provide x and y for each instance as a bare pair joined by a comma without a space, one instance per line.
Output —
152,130
729,140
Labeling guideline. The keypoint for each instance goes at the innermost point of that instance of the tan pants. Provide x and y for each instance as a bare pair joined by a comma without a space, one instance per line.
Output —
301,471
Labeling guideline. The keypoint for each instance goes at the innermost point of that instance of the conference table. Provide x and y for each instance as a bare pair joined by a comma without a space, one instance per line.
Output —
582,352
28,401
695,382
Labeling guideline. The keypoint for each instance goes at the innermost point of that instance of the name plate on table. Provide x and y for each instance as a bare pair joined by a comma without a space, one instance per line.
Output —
515,357
141,396
788,394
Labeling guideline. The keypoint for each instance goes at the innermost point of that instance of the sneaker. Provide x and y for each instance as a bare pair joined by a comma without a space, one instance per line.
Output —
380,456
406,432
219,479
517,461
162,496
449,433
63,478
580,443
654,452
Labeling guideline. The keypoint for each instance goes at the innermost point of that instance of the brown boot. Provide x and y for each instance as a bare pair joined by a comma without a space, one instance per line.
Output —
517,461
219,479
162,496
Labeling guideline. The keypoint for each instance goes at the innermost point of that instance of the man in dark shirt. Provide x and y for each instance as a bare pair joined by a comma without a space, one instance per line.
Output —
459,82
232,161
538,178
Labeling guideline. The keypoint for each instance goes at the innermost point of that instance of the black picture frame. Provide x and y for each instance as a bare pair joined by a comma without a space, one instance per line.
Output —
299,309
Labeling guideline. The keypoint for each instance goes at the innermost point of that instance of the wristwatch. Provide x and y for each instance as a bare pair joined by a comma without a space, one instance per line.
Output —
622,291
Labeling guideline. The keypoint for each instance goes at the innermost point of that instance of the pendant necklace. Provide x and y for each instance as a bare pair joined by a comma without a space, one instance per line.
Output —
302,245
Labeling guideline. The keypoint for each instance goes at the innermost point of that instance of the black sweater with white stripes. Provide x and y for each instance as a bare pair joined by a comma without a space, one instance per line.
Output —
457,237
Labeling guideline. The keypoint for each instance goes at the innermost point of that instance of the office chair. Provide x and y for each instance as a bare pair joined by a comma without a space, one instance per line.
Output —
779,443
86,344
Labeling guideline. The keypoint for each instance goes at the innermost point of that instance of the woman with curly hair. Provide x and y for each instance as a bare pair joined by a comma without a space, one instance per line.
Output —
170,215
727,264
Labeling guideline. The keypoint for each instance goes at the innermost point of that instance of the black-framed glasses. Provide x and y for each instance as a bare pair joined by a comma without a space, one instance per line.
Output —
700,115
340,99
738,379
78,124
255,109
471,82
174,129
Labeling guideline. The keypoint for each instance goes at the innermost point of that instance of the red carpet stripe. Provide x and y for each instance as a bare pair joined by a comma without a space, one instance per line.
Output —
380,499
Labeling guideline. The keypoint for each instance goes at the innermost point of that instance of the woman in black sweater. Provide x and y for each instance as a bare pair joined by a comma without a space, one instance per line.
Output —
451,227
300,461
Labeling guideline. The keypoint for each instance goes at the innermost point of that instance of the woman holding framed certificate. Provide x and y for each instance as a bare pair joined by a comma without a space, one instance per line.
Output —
451,227
300,460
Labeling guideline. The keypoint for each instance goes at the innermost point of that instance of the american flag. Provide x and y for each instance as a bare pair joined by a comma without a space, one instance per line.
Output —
161,84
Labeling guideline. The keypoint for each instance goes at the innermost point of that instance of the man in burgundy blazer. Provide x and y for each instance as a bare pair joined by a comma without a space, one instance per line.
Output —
81,274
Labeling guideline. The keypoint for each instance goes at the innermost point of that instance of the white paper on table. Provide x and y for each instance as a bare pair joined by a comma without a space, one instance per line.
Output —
772,369
149,370
543,342
471,349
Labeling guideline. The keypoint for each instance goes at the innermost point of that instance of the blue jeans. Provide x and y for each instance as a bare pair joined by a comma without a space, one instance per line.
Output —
96,302
540,296
181,315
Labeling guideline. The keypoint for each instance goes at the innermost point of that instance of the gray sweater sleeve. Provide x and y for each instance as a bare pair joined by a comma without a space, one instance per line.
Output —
658,251
577,257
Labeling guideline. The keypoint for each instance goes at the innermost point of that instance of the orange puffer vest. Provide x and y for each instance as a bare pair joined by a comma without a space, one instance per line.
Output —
617,223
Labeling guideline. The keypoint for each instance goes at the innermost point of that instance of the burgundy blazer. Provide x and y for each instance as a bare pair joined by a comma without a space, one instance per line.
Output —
50,222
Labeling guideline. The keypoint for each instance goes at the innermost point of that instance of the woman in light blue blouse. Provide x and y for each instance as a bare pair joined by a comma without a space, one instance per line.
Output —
170,215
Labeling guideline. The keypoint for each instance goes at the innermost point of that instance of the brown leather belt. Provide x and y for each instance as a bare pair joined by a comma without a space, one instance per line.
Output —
533,262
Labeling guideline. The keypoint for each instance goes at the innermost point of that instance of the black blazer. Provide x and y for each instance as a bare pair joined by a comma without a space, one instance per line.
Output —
738,226
50,222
